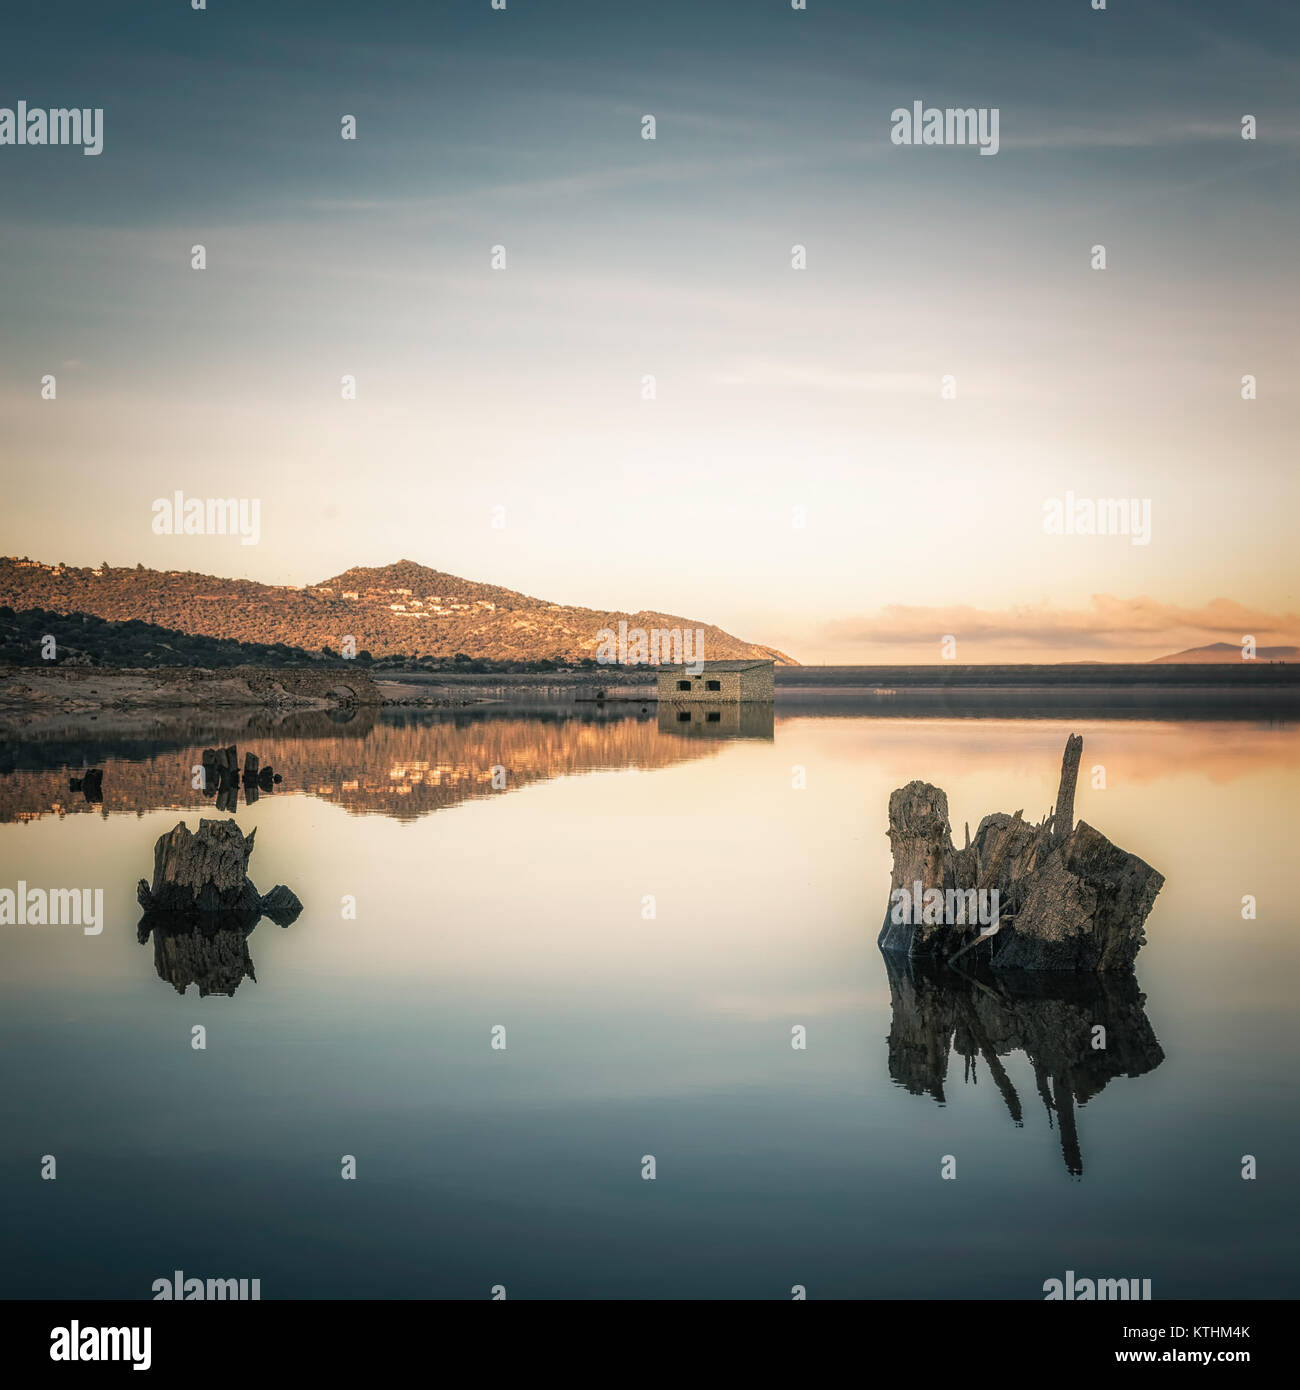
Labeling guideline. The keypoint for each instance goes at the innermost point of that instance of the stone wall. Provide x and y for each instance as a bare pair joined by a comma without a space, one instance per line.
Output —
346,685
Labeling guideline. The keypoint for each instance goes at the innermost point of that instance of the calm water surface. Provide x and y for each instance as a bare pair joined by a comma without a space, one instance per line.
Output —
525,908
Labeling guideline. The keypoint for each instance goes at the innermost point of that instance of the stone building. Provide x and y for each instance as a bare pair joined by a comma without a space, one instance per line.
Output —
718,682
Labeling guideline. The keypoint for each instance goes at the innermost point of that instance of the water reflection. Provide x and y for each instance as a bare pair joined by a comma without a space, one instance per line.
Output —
1052,1017
716,721
629,1037
220,777
212,954
90,785
408,763
405,765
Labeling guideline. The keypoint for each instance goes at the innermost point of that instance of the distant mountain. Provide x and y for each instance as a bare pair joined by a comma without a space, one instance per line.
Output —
1228,651
399,609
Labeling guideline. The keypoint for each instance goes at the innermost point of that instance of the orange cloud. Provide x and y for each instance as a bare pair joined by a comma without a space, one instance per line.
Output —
1109,626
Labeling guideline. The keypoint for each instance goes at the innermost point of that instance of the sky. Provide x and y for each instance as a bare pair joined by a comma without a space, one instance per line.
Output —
849,461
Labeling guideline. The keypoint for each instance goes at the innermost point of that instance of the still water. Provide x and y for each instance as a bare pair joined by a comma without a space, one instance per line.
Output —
760,850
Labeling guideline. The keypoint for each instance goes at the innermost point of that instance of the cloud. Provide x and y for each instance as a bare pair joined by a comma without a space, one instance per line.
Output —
1140,135
1108,622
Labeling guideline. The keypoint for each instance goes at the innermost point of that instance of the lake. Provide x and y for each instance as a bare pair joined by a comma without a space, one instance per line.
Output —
645,914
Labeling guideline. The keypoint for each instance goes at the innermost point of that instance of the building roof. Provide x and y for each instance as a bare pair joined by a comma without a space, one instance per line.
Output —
745,664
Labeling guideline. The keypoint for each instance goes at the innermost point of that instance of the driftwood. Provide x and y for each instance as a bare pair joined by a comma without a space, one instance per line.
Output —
1067,898
206,874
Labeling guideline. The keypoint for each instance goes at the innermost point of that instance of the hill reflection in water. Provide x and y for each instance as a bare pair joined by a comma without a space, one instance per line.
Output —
400,764
370,1025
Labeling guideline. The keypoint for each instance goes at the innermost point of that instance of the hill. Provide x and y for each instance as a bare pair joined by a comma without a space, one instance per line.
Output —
80,639
402,609
1218,652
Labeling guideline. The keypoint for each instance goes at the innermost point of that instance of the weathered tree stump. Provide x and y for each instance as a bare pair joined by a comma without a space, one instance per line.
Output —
1068,899
206,873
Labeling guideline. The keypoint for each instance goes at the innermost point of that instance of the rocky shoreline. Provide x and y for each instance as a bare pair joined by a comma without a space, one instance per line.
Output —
34,695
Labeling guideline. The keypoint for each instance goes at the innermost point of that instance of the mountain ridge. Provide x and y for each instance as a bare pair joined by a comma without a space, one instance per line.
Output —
400,608
1215,652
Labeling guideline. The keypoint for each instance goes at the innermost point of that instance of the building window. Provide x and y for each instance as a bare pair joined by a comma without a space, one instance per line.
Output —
684,717
683,685
713,717
713,685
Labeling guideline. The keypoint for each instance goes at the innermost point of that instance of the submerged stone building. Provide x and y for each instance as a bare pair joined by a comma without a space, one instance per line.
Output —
742,681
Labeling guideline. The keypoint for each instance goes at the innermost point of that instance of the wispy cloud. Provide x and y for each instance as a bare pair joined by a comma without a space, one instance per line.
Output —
1138,135
1108,622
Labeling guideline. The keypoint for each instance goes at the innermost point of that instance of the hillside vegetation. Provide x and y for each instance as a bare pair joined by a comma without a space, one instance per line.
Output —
402,609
